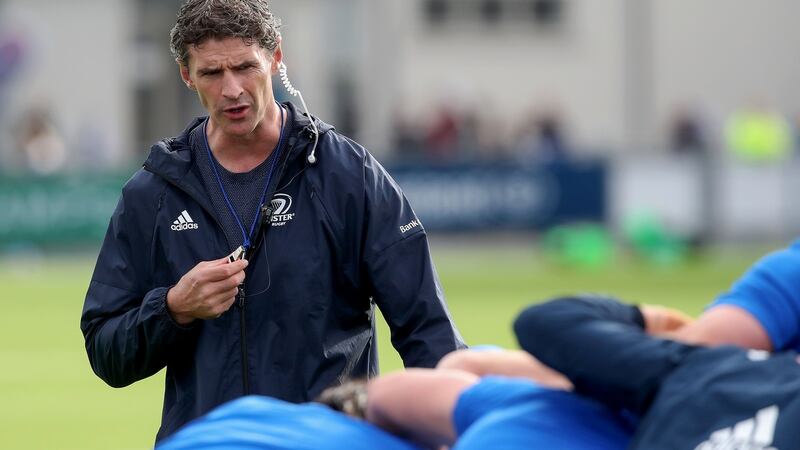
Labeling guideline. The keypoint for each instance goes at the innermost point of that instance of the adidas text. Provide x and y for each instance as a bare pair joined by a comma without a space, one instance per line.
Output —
184,226
184,222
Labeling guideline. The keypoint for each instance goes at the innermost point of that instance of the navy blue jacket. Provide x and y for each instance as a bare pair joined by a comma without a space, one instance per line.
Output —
342,238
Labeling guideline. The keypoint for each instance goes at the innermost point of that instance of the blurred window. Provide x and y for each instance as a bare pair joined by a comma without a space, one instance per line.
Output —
540,13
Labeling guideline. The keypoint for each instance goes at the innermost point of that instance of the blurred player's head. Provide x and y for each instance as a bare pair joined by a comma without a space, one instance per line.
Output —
349,398
228,51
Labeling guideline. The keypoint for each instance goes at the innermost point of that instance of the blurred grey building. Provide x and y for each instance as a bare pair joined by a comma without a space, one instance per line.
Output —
617,69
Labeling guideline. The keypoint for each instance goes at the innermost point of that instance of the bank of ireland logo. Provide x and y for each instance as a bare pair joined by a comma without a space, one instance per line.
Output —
281,205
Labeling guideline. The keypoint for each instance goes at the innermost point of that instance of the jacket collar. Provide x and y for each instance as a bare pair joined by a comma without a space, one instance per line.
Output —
172,158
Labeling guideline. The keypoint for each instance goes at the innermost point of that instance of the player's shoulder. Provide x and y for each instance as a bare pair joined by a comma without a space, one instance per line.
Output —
780,263
768,283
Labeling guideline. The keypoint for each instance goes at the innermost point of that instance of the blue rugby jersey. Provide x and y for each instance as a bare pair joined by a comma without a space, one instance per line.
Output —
514,413
271,424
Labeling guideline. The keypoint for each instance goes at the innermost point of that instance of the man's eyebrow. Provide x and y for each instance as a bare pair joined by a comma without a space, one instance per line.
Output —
245,63
208,70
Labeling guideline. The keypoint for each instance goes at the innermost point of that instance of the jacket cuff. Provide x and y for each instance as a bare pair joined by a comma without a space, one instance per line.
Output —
637,317
157,299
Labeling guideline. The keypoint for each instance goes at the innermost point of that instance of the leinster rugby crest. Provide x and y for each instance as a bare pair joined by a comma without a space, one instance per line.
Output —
281,209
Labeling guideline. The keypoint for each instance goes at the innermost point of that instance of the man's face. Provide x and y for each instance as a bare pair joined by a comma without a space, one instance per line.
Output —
233,81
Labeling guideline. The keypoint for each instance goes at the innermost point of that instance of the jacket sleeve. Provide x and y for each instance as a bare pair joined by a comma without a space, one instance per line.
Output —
402,279
600,345
126,326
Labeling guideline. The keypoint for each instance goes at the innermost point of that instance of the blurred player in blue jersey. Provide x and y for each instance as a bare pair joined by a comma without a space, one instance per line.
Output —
258,422
452,405
687,397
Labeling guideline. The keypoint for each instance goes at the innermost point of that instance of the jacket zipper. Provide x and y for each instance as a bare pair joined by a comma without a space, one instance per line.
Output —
241,300
243,340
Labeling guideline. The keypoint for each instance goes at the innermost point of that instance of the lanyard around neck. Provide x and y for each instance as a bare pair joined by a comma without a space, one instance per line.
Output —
275,156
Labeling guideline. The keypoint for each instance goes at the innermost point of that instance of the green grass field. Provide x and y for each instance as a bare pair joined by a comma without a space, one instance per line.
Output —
52,400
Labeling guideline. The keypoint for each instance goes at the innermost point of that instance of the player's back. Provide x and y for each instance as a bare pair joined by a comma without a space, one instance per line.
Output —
257,422
509,413
726,398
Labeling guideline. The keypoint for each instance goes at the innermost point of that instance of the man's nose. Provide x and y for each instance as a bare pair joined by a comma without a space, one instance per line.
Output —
231,87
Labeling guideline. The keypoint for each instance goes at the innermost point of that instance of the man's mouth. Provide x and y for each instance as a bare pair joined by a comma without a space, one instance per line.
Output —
235,112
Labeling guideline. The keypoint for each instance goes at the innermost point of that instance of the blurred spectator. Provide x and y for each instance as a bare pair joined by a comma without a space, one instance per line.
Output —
43,147
442,138
471,133
12,57
758,134
687,135
688,138
468,145
542,139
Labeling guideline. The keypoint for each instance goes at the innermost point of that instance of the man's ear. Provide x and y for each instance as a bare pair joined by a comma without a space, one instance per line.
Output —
277,58
185,75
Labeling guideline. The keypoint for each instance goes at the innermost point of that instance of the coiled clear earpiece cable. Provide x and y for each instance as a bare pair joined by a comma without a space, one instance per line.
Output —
292,91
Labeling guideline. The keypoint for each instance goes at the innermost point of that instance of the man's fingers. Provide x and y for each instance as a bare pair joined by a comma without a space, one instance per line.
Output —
212,263
213,289
224,271
660,319
229,302
209,289
223,301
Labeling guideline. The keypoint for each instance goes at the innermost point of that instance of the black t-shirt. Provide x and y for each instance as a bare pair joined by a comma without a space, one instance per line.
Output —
244,189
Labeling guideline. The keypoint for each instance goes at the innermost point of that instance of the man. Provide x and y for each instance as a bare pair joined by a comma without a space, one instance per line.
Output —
687,397
326,233
447,406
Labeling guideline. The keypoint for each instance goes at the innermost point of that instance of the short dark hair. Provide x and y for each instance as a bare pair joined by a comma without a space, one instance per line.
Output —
200,20
349,398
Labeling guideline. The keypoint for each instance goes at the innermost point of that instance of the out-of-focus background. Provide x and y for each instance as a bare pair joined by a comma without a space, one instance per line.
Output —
644,148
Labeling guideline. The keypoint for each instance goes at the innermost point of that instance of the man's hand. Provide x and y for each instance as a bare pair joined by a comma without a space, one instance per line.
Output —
206,291
659,320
